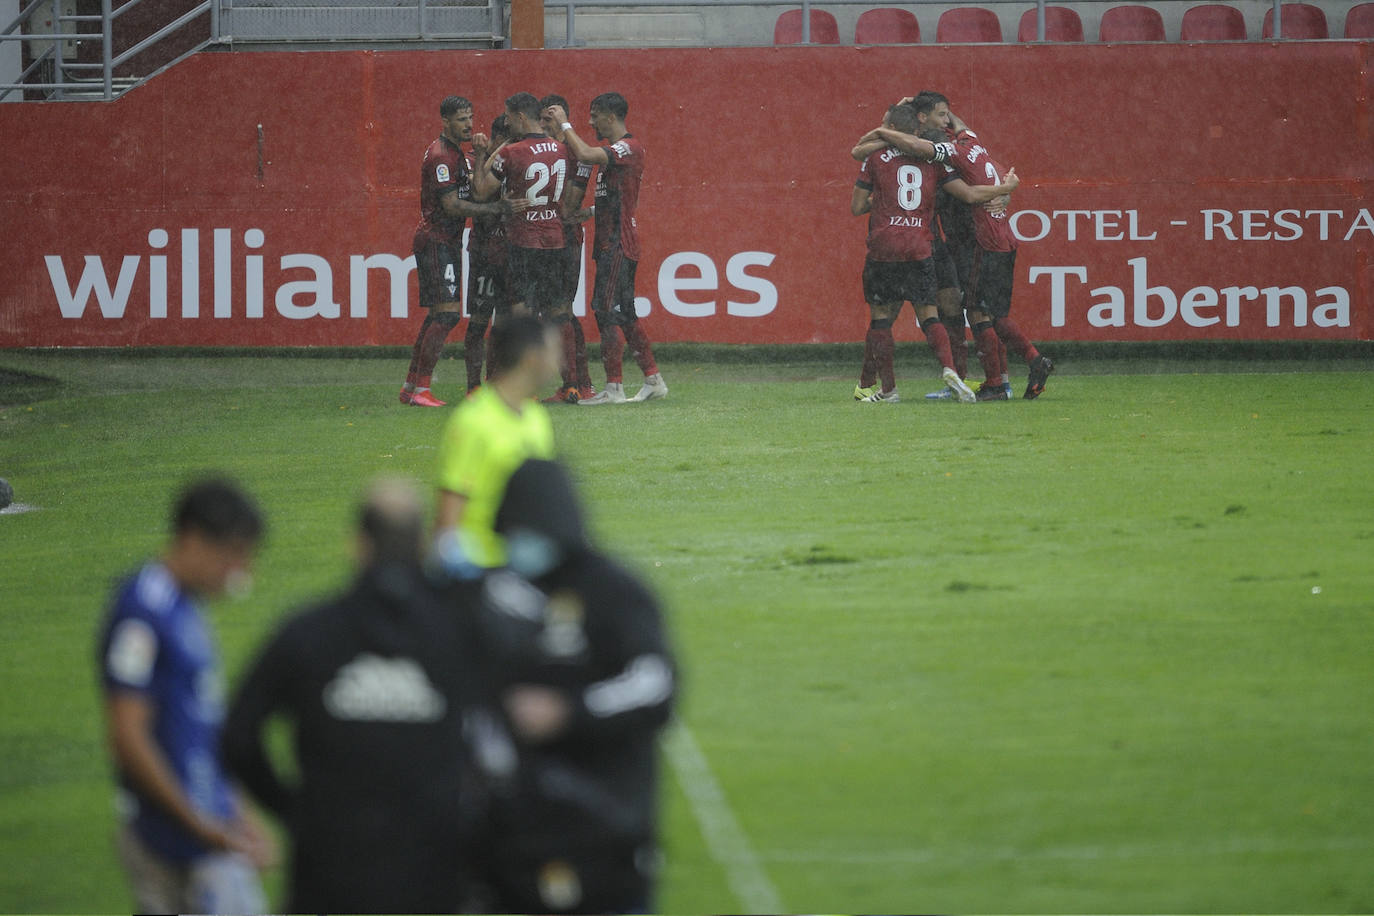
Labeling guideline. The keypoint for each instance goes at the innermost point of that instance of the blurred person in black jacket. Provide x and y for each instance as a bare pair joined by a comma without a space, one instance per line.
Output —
582,670
375,684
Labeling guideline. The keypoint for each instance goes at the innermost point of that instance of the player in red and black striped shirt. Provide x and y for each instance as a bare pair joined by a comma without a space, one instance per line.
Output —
445,204
531,168
489,289
577,384
988,268
896,186
985,277
620,162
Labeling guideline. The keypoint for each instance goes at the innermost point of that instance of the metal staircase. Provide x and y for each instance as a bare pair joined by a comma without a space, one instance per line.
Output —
83,50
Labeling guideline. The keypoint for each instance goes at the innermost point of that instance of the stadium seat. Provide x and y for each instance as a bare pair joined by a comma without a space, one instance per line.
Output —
968,24
1212,22
1299,20
887,26
1131,23
1061,24
824,29
1359,22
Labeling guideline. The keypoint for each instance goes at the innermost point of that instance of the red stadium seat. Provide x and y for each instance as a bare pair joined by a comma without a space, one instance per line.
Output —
1131,23
968,24
887,26
1212,22
1061,24
1359,22
824,29
1299,20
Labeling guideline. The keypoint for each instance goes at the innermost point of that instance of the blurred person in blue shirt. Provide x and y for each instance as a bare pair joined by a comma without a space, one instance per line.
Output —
184,840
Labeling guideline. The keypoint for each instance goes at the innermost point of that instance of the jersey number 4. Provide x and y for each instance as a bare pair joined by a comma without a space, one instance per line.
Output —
538,175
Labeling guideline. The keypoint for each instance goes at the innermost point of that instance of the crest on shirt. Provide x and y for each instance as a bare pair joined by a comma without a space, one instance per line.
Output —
132,652
372,688
559,886
442,173
563,635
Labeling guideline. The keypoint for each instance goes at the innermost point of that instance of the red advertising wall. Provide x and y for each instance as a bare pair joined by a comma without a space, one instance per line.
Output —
1169,192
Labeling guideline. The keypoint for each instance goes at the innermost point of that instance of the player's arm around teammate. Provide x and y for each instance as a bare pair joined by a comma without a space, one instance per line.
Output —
982,194
491,204
881,137
897,190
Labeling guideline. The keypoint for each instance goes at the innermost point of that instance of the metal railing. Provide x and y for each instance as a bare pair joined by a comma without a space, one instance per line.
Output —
806,6
75,79
260,22
53,73
278,21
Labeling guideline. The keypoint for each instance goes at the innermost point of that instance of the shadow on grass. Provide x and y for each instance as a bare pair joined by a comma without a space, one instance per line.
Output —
17,387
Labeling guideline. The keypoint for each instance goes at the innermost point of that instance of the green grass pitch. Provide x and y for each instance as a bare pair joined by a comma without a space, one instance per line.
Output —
1107,651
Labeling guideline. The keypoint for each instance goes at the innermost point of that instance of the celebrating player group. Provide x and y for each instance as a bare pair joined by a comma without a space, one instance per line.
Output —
939,238
524,187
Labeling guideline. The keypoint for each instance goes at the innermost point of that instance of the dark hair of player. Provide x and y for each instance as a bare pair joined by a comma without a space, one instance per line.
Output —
500,129
216,508
934,97
551,99
903,118
453,104
613,102
925,102
525,103
512,338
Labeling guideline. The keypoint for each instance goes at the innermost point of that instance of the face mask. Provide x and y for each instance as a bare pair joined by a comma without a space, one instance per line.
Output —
530,553
238,584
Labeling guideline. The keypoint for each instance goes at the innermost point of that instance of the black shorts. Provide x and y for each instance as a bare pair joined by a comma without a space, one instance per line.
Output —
961,253
946,274
488,288
895,282
536,277
613,298
990,278
571,274
439,267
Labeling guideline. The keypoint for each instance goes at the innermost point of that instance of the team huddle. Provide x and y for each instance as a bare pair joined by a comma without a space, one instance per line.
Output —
939,238
524,187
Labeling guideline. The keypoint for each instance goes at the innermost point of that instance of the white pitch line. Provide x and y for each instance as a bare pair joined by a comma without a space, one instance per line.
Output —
725,839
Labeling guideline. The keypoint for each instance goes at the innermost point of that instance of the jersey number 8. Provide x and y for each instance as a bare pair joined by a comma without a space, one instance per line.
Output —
909,187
